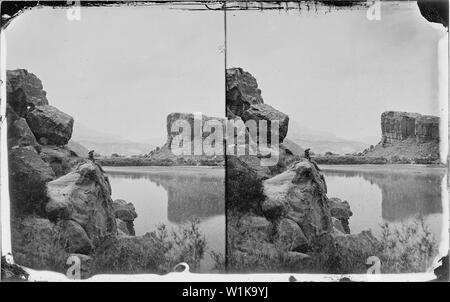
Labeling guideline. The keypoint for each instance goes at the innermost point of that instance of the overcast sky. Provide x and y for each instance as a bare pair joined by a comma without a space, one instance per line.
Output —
122,70
337,72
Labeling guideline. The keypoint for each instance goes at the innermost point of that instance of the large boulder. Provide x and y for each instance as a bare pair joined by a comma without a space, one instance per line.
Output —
51,124
123,210
19,134
300,194
243,99
24,90
125,214
84,196
257,112
340,210
28,176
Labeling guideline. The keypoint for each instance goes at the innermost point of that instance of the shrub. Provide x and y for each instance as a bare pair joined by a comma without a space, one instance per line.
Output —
155,252
409,247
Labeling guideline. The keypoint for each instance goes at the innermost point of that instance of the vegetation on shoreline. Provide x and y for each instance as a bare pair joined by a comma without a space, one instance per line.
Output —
145,161
156,252
365,160
407,248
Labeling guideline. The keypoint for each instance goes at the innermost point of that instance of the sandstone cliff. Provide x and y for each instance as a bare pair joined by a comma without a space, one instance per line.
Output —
165,154
408,137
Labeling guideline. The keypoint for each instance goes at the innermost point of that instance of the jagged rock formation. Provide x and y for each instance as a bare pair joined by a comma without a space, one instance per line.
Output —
61,203
281,209
243,99
244,102
24,89
50,125
407,137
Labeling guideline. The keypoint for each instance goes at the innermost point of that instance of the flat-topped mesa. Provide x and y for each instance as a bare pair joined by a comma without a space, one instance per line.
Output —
190,118
399,126
194,154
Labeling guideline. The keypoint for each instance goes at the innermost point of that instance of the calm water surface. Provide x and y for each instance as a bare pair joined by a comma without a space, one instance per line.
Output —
392,194
173,196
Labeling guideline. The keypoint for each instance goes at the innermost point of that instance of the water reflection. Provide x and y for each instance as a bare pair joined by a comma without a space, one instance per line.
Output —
188,196
173,196
388,195
402,195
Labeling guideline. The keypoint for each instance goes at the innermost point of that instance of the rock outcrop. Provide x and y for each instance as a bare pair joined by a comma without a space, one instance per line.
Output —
279,217
194,152
28,176
50,125
407,138
398,126
24,90
243,99
125,214
61,203
83,196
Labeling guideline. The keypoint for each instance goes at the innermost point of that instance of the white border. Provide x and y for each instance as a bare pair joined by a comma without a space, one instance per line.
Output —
194,277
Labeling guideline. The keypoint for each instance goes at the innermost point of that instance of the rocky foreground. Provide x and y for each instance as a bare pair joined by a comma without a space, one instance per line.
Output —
279,217
61,201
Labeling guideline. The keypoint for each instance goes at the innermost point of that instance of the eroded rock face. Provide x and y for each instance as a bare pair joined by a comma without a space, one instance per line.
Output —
83,196
125,214
340,210
28,176
60,159
399,126
50,123
19,134
24,89
243,99
124,210
300,194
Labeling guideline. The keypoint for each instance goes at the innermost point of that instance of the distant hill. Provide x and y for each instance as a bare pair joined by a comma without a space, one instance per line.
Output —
321,142
107,144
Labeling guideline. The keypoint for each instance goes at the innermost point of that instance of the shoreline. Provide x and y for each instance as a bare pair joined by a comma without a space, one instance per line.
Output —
391,168
168,170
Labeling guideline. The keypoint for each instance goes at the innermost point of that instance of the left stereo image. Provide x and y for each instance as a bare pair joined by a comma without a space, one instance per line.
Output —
113,165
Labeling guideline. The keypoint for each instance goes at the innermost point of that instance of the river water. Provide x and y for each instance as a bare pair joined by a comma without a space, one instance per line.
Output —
388,193
174,196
